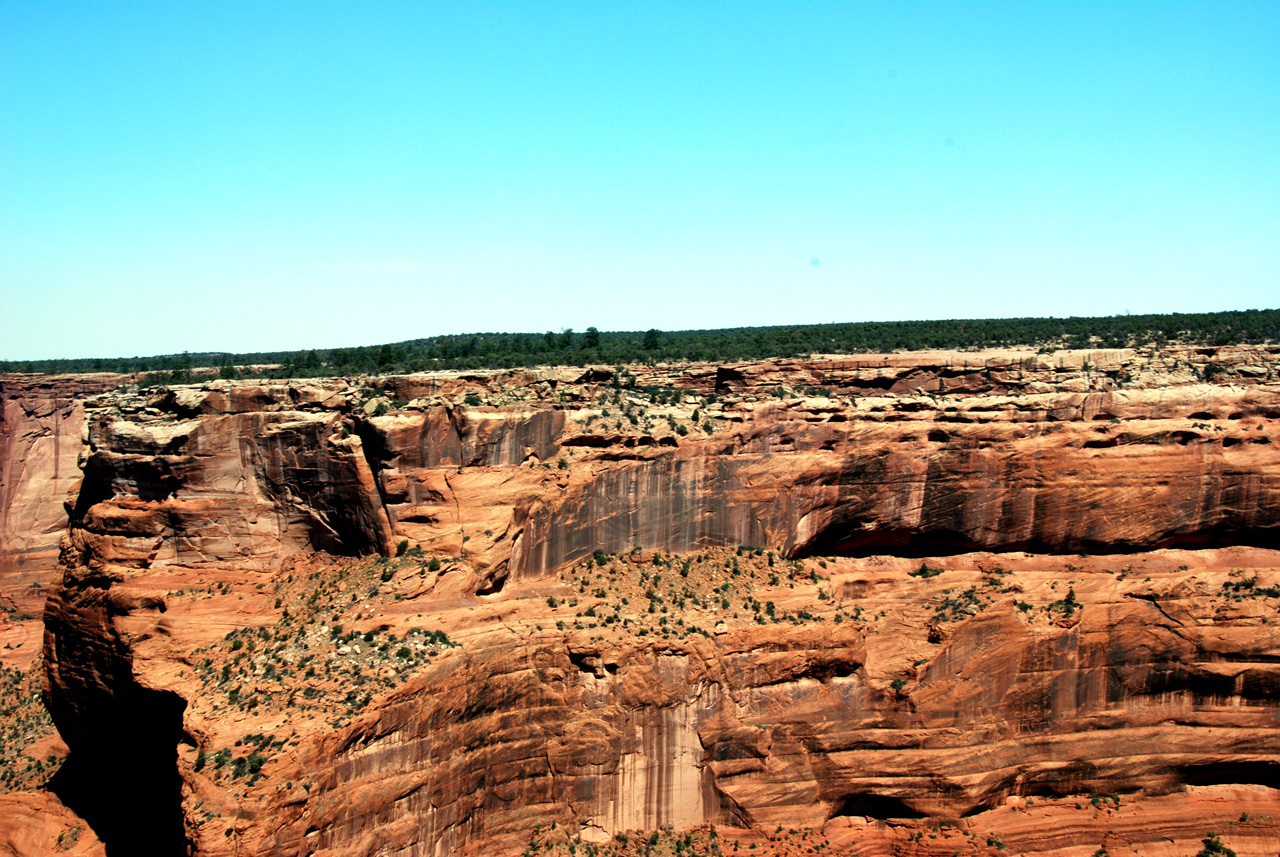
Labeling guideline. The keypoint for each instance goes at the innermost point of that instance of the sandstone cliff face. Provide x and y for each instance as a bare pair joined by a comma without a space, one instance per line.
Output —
201,607
1148,686
1044,472
41,426
258,471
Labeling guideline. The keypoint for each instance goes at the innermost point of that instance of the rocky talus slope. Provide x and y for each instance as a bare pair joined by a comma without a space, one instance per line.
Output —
916,603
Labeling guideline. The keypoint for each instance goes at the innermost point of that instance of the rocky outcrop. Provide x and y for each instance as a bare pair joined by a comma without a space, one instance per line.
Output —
359,617
227,487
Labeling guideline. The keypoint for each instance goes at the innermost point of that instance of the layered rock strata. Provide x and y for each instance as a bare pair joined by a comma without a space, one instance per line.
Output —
204,604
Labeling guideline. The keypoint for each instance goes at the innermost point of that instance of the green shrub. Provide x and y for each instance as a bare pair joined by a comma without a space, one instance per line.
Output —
1213,847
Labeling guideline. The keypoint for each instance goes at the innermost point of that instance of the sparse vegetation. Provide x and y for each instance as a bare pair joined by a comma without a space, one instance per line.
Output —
24,721
319,657
1066,606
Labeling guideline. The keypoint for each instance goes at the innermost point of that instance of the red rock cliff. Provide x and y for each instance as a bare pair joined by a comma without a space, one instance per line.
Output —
605,661
41,426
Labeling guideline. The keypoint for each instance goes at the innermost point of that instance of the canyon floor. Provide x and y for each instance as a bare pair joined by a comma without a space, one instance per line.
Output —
912,604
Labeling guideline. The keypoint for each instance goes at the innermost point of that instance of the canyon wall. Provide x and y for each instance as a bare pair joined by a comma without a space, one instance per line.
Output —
797,725
252,472
42,423
970,579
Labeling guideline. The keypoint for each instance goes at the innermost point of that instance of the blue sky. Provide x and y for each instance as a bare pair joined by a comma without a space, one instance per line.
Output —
257,176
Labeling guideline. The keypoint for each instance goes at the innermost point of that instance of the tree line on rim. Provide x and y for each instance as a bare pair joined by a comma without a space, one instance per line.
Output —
593,346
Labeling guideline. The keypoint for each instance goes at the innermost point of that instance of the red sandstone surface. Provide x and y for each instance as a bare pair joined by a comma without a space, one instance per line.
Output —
911,604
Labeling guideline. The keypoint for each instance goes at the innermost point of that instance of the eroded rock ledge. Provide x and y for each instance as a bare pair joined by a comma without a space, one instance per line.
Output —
796,456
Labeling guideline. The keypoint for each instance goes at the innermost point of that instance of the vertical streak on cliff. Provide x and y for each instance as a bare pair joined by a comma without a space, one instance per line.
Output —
660,778
668,503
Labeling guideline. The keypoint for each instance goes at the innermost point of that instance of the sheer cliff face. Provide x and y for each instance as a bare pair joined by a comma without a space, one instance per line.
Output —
222,544
41,426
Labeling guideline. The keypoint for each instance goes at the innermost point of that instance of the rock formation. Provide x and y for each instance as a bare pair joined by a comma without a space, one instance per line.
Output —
948,593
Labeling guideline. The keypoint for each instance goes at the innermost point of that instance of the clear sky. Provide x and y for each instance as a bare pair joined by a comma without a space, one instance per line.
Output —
256,176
